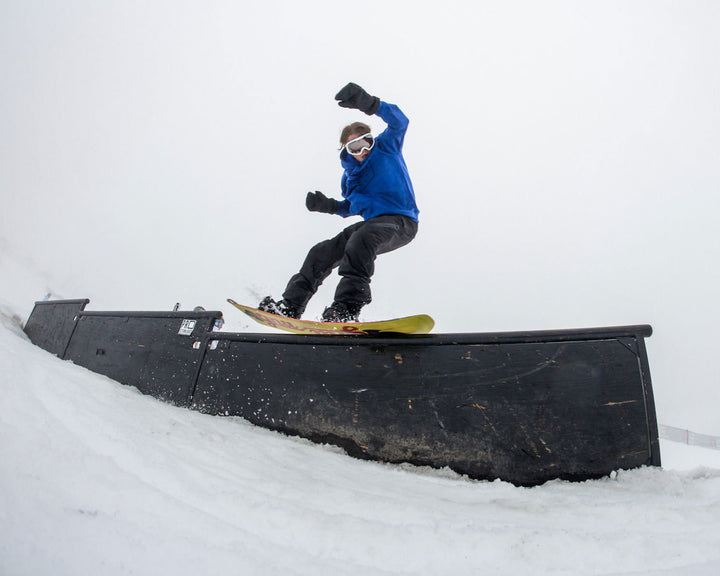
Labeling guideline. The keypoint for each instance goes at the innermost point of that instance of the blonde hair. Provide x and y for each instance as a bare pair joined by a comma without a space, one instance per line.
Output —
354,129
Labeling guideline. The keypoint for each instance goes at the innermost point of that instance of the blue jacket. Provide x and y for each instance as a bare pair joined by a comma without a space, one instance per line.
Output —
380,184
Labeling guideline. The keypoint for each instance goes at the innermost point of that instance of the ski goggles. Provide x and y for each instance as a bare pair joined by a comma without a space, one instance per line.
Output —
356,146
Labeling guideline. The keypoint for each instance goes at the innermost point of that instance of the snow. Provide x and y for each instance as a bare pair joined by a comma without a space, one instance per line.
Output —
565,161
96,478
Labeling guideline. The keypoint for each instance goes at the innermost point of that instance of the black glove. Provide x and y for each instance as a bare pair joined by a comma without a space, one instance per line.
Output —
318,202
352,96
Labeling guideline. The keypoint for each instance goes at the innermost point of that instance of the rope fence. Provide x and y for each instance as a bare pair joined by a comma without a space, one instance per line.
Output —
687,437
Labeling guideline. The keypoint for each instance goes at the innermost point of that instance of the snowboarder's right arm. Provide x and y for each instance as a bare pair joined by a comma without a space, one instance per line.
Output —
343,209
343,206
318,202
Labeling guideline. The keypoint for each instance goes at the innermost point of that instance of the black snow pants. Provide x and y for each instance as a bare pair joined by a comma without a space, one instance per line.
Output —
353,252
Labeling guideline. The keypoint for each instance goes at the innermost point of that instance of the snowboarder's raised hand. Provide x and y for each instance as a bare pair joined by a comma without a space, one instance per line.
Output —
318,202
353,96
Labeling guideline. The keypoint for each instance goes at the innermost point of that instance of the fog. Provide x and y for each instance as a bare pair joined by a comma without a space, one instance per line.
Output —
565,157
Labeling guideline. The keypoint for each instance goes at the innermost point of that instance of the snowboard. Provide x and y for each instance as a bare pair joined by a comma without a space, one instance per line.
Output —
418,324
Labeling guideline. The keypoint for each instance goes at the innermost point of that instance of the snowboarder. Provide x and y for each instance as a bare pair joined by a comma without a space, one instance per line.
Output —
375,185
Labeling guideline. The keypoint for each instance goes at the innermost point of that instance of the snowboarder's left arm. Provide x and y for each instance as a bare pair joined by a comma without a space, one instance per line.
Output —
392,138
353,96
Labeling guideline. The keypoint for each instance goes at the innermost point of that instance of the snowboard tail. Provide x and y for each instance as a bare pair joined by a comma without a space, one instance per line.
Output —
418,324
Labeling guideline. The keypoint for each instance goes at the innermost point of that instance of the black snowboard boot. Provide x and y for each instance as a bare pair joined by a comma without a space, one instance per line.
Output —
341,312
281,308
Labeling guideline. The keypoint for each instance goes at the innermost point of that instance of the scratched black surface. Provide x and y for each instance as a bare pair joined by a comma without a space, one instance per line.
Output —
523,412
525,407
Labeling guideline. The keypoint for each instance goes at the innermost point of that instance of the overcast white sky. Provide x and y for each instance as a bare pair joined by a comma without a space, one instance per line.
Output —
565,156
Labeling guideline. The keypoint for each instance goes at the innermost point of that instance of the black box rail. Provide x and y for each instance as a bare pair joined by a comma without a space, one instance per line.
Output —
524,407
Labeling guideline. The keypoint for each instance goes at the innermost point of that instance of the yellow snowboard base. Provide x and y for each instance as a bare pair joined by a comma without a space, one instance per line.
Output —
419,324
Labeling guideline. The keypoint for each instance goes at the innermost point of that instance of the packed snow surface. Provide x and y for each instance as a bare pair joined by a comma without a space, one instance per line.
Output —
96,478
565,159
